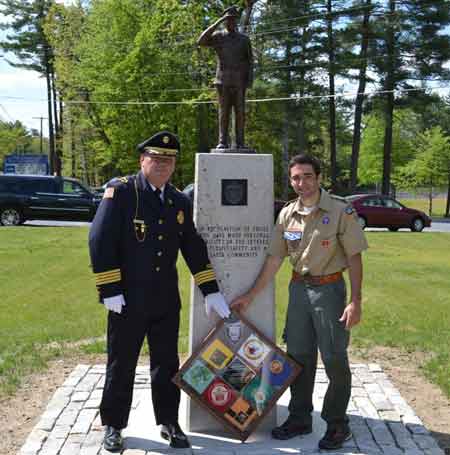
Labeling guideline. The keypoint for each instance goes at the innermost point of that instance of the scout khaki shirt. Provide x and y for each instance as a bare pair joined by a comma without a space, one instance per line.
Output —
319,243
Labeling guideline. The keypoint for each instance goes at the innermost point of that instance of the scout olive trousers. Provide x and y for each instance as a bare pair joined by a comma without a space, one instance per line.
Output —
312,324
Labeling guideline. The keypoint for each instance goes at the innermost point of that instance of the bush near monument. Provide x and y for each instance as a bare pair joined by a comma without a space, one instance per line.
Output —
49,300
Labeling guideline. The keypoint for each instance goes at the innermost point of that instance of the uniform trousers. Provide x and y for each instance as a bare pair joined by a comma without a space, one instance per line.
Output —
312,324
126,333
231,97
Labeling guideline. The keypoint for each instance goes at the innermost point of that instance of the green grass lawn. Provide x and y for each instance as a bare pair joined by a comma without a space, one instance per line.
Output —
49,298
438,209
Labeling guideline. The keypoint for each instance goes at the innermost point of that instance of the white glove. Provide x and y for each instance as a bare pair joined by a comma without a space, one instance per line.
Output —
217,303
114,303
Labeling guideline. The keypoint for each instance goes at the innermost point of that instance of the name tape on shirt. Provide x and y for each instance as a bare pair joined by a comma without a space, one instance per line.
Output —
293,235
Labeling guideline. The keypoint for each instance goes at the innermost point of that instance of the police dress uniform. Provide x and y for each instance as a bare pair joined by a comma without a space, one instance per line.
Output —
134,242
319,245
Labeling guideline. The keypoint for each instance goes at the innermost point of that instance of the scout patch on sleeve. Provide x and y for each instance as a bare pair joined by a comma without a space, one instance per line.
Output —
292,235
109,193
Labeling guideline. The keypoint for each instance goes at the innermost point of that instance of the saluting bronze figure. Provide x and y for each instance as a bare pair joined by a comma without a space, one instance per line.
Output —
234,72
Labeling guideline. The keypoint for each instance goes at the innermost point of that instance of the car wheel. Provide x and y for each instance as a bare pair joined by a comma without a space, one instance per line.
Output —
417,225
10,216
393,229
362,221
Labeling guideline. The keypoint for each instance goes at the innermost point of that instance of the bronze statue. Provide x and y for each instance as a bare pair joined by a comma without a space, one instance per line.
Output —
234,72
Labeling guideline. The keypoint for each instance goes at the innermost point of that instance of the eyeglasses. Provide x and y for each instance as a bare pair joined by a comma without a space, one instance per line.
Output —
299,178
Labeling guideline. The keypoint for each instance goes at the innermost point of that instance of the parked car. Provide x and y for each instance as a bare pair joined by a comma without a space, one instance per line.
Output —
375,210
44,197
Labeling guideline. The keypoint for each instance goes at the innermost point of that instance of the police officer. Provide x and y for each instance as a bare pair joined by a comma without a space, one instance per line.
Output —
234,72
322,237
141,224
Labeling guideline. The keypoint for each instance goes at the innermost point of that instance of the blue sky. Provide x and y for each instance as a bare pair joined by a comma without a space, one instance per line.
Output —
22,92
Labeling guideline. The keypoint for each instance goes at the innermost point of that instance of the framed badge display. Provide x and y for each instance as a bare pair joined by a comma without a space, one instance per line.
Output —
237,374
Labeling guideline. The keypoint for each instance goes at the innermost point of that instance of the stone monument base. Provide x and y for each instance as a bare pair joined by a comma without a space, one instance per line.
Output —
243,150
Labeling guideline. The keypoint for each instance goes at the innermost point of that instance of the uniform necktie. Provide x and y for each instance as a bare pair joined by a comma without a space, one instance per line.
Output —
158,195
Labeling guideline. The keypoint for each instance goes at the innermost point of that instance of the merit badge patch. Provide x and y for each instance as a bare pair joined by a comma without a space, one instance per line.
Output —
325,243
325,220
180,217
109,193
253,350
241,414
293,235
219,395
217,355
349,210
199,376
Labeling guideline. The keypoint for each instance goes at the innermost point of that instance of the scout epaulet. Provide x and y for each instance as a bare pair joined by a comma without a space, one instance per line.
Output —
290,202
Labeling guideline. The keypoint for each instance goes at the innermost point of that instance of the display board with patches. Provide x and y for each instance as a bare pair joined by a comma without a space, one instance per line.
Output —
237,374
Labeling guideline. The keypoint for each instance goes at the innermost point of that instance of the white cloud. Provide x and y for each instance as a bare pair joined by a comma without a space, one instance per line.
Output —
22,96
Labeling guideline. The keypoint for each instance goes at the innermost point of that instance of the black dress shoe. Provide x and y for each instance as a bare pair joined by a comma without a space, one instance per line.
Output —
289,429
113,441
174,434
335,437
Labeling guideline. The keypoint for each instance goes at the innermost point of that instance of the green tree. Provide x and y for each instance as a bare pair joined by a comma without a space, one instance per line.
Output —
409,33
27,41
431,167
14,138
371,157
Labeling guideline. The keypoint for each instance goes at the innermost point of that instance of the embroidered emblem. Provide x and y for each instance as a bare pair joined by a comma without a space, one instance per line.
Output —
170,201
166,139
123,179
109,193
293,235
233,331
276,367
220,394
180,217
349,210
326,220
325,243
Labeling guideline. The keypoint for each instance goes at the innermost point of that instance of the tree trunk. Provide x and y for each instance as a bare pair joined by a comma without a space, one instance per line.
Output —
360,100
430,200
285,156
58,136
447,207
51,138
72,146
389,109
331,99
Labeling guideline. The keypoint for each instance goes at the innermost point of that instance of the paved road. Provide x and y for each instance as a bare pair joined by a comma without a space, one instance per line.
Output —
440,225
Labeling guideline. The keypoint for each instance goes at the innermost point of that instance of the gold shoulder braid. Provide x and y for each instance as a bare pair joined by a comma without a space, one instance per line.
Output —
140,228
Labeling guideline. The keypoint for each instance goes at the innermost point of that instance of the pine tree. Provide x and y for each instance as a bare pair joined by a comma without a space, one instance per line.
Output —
30,46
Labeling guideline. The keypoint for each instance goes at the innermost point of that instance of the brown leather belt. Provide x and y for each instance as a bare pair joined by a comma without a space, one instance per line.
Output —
317,279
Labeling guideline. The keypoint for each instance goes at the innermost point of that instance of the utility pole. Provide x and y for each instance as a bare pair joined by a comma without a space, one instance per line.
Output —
41,119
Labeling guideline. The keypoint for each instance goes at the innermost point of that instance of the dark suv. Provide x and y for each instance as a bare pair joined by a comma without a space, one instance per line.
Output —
44,197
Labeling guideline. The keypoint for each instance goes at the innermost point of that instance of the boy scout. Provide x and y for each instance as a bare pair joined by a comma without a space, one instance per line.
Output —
140,226
322,237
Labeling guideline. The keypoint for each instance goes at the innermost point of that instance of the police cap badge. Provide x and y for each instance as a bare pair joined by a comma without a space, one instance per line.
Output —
160,144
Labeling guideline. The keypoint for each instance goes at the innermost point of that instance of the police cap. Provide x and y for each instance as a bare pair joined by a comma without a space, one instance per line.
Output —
161,144
232,11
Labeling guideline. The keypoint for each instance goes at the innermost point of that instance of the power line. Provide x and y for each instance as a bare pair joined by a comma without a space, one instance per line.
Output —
292,97
6,112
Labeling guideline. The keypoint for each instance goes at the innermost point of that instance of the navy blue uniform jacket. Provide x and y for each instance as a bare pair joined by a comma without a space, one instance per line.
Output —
125,261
